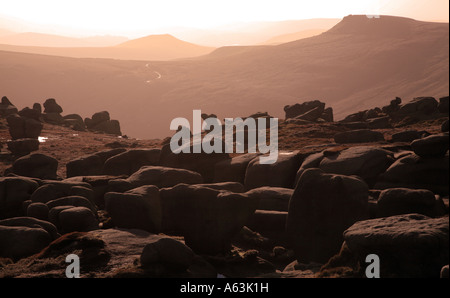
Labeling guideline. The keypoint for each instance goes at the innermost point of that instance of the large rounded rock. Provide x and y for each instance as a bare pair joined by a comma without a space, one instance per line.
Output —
435,146
90,165
19,242
322,207
7,108
414,172
359,136
397,201
408,136
30,222
420,105
128,162
36,165
365,162
38,210
80,219
75,201
169,252
293,111
14,191
233,169
207,218
22,147
443,106
137,209
409,246
271,198
163,177
50,106
279,174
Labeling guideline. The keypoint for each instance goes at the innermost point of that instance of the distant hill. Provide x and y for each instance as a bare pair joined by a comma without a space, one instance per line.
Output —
154,47
358,64
294,36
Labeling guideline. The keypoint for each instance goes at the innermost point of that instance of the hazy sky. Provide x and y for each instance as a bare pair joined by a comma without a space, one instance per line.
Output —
132,16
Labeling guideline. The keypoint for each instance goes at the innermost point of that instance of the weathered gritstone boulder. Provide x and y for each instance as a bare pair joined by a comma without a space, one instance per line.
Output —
444,272
207,218
411,246
414,172
397,201
7,108
321,208
75,201
14,191
90,165
444,127
233,169
50,106
99,185
101,122
52,190
235,187
160,177
311,161
443,106
22,127
53,118
22,147
19,242
293,111
312,115
77,219
30,222
419,105
139,208
408,136
365,162
30,113
279,174
128,162
269,221
434,146
167,251
202,163
271,198
359,136
75,122
379,123
38,210
36,165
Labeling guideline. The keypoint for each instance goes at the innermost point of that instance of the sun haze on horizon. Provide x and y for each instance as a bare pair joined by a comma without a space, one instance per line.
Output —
135,17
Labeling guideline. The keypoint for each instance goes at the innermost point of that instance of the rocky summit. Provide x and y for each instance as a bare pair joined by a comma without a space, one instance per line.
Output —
375,182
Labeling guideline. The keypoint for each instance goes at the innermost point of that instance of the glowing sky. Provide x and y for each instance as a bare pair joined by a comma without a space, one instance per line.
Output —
131,16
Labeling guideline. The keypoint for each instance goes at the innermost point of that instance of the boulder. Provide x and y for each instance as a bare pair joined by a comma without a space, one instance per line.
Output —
279,174
408,136
77,219
91,165
21,127
271,198
75,122
109,127
293,111
358,136
202,163
233,169
434,146
53,118
443,105
420,105
37,106
14,191
30,113
52,190
444,272
128,162
365,162
409,246
36,165
50,106
167,251
30,222
311,161
7,108
321,208
312,115
139,208
19,242
22,147
444,126
379,123
75,201
207,218
328,115
235,187
397,201
98,118
99,185
412,171
266,221
38,210
163,177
